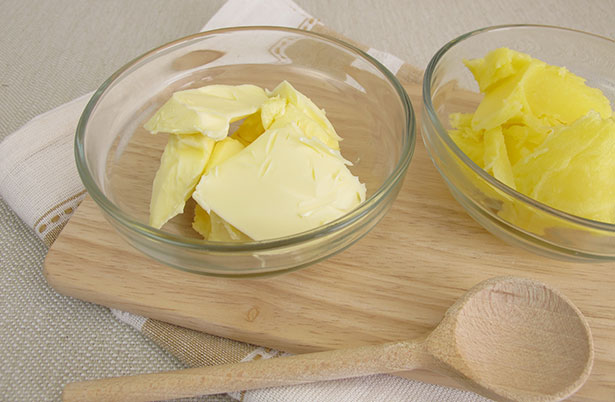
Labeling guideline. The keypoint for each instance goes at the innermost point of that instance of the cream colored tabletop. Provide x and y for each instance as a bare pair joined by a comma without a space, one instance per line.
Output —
55,50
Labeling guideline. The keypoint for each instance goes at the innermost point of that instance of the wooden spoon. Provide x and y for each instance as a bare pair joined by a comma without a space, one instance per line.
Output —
506,338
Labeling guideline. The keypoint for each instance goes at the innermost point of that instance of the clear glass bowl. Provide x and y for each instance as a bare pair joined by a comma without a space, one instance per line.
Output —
117,158
449,87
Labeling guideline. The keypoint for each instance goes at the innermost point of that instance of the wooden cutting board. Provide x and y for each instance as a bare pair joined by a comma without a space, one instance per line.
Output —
396,283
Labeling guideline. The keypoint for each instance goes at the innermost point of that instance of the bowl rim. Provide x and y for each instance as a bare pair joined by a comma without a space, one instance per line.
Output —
443,134
409,139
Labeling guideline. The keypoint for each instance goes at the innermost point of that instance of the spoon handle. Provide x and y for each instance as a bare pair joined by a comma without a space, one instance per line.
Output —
297,369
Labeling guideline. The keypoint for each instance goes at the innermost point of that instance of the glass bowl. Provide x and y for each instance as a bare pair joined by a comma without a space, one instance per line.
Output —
449,87
117,159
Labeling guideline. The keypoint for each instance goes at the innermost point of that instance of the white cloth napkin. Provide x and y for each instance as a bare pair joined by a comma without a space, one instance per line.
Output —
39,181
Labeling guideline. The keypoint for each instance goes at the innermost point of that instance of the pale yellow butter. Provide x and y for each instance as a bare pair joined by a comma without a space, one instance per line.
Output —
250,129
277,113
282,184
181,166
212,227
304,104
222,151
279,174
194,118
286,105
208,110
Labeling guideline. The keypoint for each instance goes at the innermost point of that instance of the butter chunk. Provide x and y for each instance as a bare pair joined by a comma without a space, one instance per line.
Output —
501,104
208,110
525,98
574,169
304,104
557,96
543,131
521,140
273,109
523,90
250,129
181,166
201,222
497,66
212,227
276,116
283,183
223,231
470,141
496,157
222,151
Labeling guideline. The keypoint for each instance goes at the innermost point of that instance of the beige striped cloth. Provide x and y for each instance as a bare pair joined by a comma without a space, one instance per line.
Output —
39,180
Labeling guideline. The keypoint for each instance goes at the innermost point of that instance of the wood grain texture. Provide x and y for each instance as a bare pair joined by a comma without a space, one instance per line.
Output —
394,284
508,338
264,373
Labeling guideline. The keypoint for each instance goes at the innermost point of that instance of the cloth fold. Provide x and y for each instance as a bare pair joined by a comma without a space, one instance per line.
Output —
38,175
39,181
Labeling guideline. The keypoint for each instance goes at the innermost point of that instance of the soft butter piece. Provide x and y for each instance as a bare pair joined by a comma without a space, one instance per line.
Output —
542,130
283,183
250,129
496,157
181,166
573,170
305,105
208,110
522,90
212,227
277,113
497,66
286,105
222,151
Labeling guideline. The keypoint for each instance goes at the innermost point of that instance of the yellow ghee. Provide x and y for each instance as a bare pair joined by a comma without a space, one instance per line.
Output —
542,131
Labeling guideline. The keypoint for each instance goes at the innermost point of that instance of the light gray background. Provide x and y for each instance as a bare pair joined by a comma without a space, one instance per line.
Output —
52,51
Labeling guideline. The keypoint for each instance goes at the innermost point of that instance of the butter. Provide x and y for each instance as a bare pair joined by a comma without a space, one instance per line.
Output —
276,113
281,184
303,104
222,151
573,170
181,166
208,110
542,131
250,129
286,105
195,117
201,222
280,173
497,65
273,109
496,158
213,227
539,96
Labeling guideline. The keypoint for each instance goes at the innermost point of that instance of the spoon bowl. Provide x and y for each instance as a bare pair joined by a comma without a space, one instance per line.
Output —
510,339
514,339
